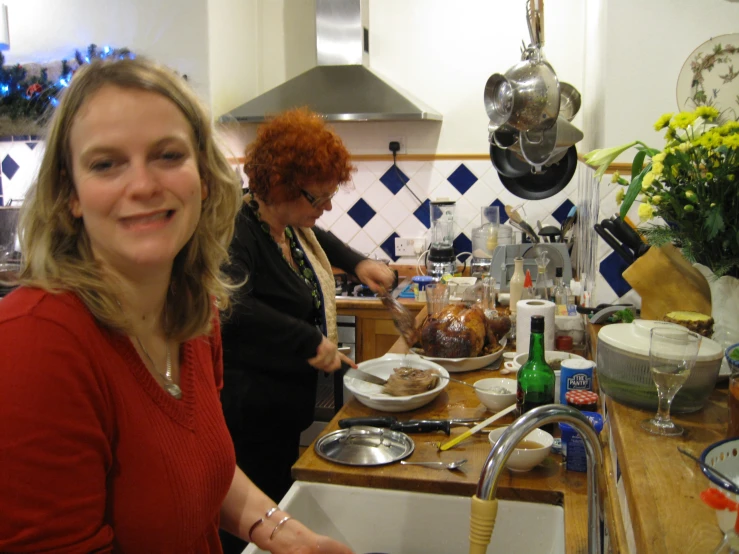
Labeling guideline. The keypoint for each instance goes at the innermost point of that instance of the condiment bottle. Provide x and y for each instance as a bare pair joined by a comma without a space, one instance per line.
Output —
516,284
535,379
528,287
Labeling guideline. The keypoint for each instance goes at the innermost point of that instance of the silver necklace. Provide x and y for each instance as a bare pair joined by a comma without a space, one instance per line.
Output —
170,386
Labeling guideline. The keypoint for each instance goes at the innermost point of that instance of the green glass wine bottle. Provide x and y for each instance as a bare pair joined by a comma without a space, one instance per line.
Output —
535,379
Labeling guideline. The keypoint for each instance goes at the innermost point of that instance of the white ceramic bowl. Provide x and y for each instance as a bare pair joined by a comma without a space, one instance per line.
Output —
522,460
459,365
494,401
724,456
372,396
549,355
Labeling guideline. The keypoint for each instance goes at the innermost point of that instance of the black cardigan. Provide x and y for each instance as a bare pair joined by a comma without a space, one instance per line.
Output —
270,332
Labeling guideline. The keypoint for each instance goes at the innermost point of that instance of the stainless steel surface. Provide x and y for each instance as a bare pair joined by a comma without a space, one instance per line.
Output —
341,87
569,101
437,465
364,446
535,21
495,463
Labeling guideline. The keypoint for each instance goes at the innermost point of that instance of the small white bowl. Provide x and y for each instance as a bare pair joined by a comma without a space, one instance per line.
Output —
549,355
522,460
493,401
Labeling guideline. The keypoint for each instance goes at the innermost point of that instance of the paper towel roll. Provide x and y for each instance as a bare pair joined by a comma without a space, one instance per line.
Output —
526,309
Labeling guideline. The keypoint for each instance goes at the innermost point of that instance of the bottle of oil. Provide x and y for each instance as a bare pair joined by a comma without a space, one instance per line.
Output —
535,378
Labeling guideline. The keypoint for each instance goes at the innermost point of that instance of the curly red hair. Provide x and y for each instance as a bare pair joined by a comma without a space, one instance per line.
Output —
294,149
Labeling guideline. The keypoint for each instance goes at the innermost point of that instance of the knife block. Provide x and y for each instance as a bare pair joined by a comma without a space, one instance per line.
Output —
667,282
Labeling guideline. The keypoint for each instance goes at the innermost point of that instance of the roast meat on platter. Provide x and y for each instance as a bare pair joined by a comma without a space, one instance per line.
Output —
458,331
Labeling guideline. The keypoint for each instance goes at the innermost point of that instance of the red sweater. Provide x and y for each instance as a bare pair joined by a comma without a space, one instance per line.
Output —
94,454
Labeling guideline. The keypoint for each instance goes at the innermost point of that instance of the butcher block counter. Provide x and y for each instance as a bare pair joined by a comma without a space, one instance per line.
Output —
548,483
658,486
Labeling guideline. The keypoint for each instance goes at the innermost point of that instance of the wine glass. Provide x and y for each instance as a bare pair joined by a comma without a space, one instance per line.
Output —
672,354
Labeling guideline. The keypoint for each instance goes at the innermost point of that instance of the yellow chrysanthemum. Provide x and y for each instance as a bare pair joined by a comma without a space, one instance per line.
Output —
710,140
690,195
659,158
662,122
656,199
684,147
646,212
683,120
647,181
657,168
615,177
620,193
708,113
731,141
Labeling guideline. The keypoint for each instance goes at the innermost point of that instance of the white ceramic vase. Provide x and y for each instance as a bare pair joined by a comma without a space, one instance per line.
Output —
724,308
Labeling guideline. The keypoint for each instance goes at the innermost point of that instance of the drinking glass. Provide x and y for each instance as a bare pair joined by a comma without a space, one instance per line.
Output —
437,297
672,355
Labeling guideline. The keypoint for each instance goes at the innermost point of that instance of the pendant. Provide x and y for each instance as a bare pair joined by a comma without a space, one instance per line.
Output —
174,390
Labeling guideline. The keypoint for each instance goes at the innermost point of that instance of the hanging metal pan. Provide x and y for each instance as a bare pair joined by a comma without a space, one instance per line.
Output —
537,186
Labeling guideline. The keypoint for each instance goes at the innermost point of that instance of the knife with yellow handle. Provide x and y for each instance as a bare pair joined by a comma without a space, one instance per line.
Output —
456,440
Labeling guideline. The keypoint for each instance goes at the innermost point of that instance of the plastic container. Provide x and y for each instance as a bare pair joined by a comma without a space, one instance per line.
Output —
573,447
624,375
570,325
577,375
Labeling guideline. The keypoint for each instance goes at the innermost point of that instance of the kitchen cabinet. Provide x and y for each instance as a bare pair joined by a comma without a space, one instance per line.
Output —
375,331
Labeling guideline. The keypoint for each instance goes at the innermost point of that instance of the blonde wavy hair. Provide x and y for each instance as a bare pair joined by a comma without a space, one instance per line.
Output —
57,255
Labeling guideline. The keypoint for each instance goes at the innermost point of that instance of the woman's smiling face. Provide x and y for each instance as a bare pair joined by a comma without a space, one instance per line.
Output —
135,172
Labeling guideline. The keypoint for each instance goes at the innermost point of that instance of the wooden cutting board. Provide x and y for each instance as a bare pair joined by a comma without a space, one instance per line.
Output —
666,282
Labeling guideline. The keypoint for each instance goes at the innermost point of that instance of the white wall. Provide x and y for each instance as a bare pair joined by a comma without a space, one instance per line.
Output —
171,31
647,44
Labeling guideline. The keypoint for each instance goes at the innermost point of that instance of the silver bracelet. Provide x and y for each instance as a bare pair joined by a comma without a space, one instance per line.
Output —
283,520
260,521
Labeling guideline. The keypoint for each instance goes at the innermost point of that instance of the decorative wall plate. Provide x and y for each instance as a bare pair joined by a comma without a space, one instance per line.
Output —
710,76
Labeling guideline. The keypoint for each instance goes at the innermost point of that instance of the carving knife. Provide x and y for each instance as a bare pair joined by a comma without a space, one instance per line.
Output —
364,376
409,426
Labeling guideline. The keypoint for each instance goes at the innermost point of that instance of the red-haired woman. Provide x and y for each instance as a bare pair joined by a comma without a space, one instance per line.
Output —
281,330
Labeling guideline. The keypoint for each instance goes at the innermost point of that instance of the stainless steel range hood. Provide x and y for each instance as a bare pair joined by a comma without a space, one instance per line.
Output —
341,87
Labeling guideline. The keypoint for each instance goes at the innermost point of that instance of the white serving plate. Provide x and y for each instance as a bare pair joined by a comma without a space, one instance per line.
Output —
371,395
459,365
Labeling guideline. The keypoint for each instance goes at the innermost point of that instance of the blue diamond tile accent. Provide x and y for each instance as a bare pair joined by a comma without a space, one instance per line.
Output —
389,246
462,244
560,214
462,179
394,179
31,145
9,167
423,213
501,211
612,268
361,212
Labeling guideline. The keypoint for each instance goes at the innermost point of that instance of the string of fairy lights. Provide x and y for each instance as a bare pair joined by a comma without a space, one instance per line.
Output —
28,94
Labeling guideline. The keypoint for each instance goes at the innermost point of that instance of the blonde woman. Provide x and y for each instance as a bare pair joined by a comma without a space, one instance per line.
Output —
112,435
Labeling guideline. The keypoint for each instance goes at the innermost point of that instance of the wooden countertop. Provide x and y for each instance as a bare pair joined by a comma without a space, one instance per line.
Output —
548,483
661,485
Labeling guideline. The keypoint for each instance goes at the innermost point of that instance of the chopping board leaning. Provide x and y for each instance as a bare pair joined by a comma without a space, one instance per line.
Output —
666,282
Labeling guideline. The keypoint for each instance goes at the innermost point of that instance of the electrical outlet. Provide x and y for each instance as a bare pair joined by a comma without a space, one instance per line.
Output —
401,141
407,247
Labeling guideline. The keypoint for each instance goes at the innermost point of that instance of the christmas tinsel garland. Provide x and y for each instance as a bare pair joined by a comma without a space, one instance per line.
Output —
28,91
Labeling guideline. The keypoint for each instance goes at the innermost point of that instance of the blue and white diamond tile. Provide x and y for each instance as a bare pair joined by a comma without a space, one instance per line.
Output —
9,167
363,178
379,254
445,190
388,246
345,198
501,210
462,179
425,180
361,212
423,214
345,228
445,167
462,244
378,229
612,268
394,179
394,212
362,242
560,214
19,161
411,228
378,196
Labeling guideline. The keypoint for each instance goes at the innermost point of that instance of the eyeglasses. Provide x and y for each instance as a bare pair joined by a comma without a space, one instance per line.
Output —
320,200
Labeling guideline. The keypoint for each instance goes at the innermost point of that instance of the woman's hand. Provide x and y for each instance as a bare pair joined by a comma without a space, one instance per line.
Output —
328,358
295,538
376,275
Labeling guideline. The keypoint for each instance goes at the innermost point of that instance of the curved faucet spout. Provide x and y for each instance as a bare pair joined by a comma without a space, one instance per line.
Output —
493,467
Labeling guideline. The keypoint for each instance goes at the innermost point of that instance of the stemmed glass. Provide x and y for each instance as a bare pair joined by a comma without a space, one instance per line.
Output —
672,355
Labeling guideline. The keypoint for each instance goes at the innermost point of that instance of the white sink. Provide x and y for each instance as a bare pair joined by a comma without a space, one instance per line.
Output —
401,522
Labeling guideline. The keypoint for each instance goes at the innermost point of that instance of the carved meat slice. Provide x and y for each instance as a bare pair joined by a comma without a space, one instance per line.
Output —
406,381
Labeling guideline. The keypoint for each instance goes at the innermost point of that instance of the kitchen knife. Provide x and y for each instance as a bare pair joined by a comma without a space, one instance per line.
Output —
611,241
455,441
409,426
364,376
626,234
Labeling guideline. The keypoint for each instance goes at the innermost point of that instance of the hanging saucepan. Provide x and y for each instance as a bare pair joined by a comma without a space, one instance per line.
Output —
569,101
552,179
504,136
548,146
526,97
508,163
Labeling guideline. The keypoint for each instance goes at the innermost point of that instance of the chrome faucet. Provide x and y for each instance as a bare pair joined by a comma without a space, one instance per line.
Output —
488,483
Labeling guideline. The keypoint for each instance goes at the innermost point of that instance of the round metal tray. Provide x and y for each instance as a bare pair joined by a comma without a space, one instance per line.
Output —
364,446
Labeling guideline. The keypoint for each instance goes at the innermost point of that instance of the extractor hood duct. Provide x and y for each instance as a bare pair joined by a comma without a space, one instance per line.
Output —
341,87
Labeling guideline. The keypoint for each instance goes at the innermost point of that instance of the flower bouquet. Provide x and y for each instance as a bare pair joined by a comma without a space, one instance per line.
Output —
692,184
